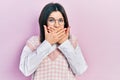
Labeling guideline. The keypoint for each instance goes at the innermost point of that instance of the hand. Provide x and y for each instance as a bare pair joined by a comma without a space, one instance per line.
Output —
53,35
65,36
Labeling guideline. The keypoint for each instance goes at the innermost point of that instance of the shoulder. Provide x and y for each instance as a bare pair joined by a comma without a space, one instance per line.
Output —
73,40
33,42
34,38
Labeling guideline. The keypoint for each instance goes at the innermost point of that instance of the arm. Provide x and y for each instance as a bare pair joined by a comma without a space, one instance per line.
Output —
30,60
74,57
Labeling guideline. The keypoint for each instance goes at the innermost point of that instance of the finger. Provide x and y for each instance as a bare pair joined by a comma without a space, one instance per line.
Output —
61,31
62,34
68,31
51,29
54,29
45,29
58,29
62,38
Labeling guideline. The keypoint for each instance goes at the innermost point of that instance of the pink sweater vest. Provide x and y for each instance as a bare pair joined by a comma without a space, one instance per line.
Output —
57,69
54,66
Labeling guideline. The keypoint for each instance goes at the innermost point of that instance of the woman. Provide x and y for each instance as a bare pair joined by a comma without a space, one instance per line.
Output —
55,54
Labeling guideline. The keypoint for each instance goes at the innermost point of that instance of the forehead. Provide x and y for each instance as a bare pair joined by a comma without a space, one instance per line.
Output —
56,14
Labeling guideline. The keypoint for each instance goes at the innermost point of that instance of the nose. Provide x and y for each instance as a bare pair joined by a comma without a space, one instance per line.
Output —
56,24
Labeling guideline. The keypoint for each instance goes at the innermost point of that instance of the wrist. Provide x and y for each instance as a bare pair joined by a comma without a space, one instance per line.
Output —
49,41
60,42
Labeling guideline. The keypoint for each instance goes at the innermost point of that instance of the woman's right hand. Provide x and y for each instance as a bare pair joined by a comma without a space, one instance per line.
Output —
55,35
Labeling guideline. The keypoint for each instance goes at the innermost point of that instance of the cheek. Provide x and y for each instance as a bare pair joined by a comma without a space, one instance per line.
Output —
62,27
49,25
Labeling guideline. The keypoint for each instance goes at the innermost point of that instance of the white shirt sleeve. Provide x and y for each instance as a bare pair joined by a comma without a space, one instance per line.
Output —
74,56
30,60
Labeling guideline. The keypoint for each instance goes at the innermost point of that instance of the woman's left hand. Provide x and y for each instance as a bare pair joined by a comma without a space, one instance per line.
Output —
65,36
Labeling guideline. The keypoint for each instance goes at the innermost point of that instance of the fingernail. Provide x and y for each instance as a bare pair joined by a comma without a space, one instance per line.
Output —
44,25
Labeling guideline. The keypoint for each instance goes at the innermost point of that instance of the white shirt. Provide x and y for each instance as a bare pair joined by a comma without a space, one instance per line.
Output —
30,60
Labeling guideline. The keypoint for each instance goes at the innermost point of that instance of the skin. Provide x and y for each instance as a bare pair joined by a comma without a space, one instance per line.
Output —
56,33
53,33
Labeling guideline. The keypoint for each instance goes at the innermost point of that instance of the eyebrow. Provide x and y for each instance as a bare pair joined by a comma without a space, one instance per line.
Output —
54,18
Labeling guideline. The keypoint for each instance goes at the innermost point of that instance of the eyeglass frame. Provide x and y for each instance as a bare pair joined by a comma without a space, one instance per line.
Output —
55,20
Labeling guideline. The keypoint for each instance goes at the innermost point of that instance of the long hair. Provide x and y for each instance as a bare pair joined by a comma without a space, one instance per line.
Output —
46,11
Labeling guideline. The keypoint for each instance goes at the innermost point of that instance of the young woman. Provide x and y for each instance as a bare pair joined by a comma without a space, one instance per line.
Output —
55,54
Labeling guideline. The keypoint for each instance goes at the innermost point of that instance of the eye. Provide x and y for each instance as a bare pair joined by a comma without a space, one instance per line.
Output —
51,20
61,20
